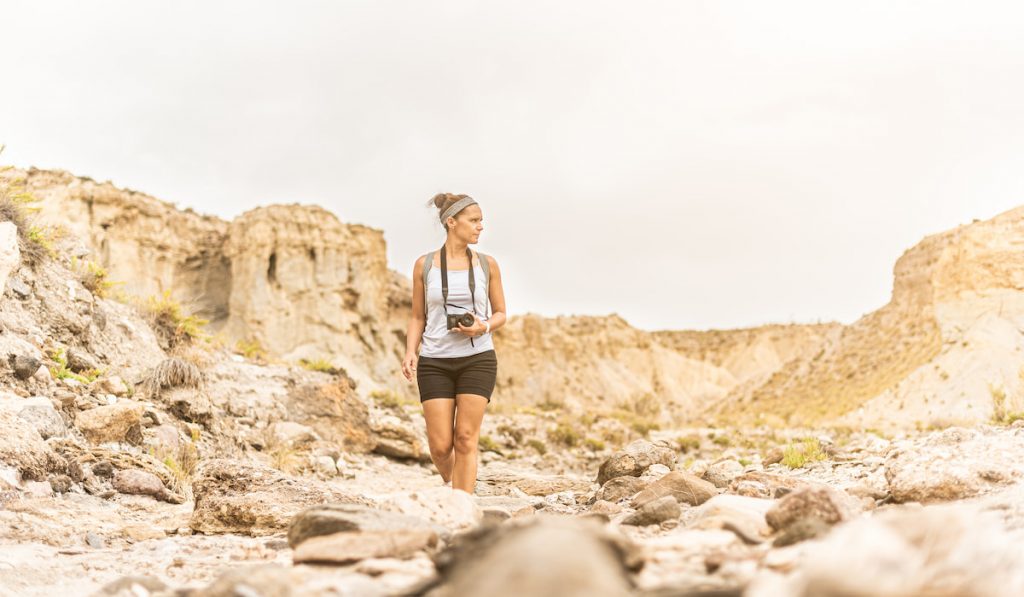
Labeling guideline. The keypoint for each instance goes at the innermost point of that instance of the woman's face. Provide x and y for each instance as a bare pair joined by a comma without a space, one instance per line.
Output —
469,223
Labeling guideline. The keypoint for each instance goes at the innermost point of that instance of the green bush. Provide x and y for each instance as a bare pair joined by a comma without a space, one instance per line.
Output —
565,434
800,454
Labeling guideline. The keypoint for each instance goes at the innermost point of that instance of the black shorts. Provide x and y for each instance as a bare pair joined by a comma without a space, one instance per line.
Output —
445,377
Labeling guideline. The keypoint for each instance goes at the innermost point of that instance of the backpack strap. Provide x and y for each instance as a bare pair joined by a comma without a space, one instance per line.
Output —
428,261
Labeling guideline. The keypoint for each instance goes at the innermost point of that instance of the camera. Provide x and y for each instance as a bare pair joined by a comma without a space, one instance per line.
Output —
466,319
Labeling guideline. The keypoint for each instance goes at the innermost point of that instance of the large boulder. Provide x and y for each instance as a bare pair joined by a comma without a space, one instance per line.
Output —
399,439
634,459
22,448
112,422
826,504
684,487
655,512
329,519
335,412
953,464
543,555
242,497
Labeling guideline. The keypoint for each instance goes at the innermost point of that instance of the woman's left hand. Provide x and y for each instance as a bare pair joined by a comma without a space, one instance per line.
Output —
477,329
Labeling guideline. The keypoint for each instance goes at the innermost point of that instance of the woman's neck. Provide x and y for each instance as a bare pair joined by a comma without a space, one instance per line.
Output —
456,248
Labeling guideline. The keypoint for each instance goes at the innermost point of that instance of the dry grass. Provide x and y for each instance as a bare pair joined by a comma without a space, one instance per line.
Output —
800,454
321,365
17,206
171,373
252,350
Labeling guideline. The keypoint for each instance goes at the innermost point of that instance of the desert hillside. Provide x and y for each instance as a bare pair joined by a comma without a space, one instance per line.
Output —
297,283
267,452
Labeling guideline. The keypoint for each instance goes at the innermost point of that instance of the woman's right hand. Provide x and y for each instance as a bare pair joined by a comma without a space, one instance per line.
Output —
409,365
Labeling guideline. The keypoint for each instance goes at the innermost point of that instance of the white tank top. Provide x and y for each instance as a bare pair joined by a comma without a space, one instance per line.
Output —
438,341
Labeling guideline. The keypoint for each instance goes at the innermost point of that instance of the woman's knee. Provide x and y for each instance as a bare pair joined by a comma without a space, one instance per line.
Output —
441,446
466,441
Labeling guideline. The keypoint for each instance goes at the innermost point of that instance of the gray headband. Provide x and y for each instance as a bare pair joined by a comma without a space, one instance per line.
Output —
456,207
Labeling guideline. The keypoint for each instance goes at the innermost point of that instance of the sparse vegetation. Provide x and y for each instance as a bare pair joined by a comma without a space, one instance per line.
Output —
565,434
514,433
321,365
17,206
60,369
181,461
1001,414
551,404
389,399
688,443
92,276
594,445
171,322
800,454
172,373
538,446
487,444
251,349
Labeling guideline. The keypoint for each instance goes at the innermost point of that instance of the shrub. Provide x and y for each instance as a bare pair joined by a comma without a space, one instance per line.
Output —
551,404
539,446
60,370
17,206
513,432
565,435
688,443
798,455
92,276
487,444
171,322
172,373
389,399
180,461
594,445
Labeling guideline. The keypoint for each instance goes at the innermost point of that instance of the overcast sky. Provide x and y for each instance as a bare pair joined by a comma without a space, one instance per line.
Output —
683,164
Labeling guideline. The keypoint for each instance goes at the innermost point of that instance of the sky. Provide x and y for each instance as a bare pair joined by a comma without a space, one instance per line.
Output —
686,165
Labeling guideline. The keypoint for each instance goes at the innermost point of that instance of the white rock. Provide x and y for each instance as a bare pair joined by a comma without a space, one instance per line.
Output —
10,254
451,508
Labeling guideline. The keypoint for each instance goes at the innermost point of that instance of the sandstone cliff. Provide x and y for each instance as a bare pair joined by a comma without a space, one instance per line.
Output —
302,284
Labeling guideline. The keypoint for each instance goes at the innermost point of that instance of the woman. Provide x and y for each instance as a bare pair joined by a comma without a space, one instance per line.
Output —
456,366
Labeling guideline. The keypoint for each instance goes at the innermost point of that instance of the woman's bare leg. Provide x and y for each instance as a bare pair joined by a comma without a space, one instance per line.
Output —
469,414
440,416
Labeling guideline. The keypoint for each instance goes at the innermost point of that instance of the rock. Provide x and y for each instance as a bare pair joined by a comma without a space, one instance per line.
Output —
24,367
905,552
743,516
132,586
142,532
188,403
264,580
325,465
721,474
655,511
605,508
654,472
344,548
140,482
765,485
506,481
61,483
495,516
243,497
336,413
634,459
22,448
540,556
819,503
10,254
112,385
95,541
803,529
20,289
773,456
41,416
682,486
79,361
620,488
103,468
110,423
515,507
330,519
291,434
951,465
451,508
398,439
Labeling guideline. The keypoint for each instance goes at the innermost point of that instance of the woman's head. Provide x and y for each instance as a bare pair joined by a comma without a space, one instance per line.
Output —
465,223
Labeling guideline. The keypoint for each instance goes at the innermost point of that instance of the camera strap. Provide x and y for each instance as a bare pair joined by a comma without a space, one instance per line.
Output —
444,282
